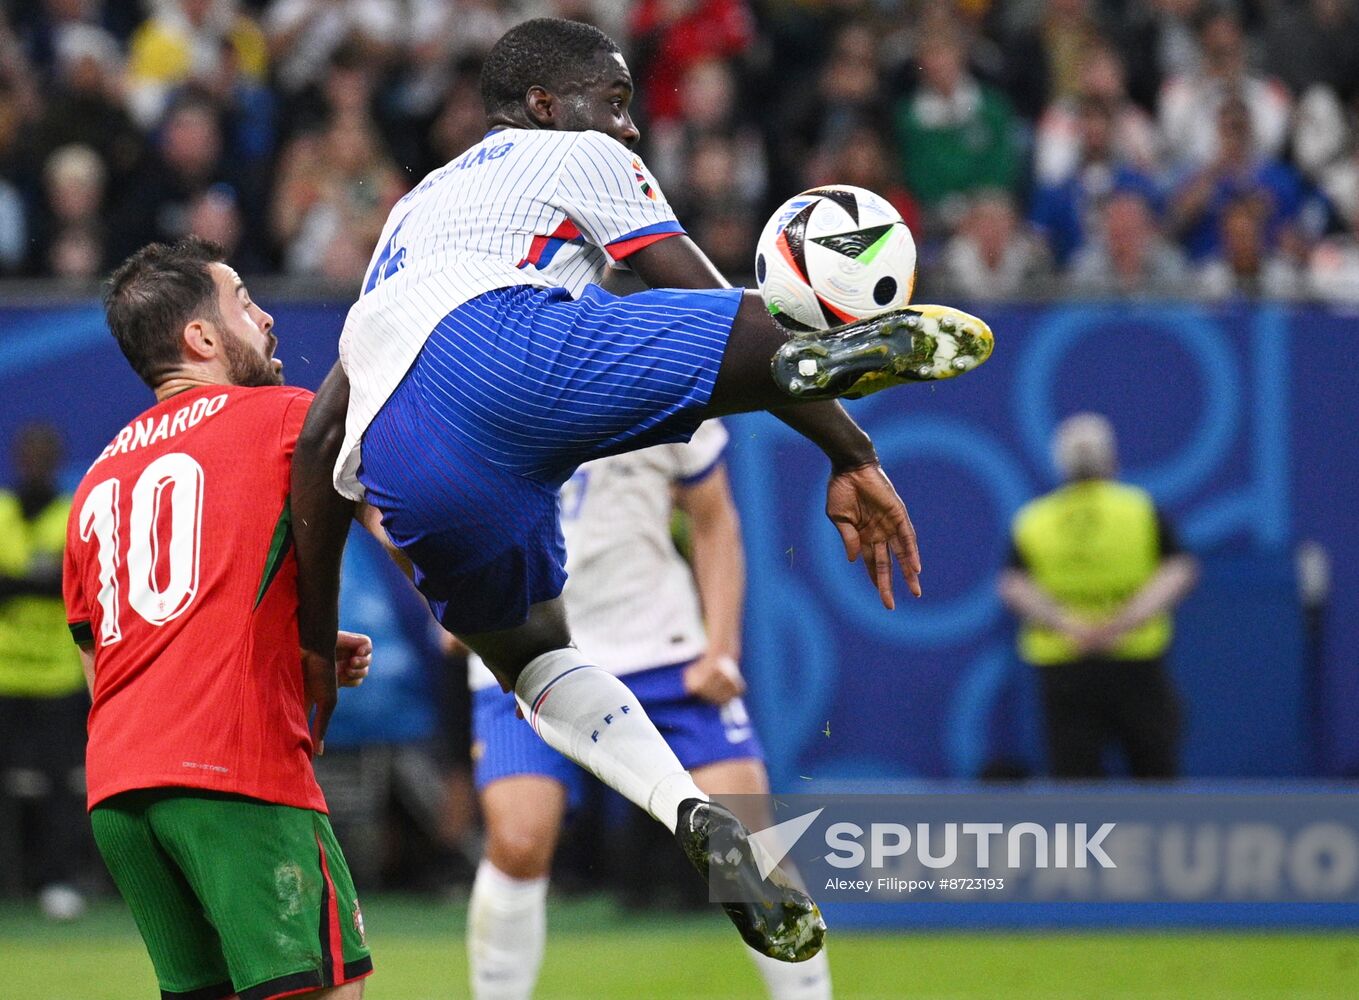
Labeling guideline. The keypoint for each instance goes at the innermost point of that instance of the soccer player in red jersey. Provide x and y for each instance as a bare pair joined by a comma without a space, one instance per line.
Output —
180,587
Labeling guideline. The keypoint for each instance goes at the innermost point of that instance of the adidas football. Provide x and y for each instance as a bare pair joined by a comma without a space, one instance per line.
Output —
833,255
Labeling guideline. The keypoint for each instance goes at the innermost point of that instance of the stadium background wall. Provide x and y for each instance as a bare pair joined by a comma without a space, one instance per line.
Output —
1239,419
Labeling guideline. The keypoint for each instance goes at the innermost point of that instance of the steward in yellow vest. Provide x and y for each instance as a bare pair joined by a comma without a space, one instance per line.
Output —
1094,571
1091,545
37,659
43,701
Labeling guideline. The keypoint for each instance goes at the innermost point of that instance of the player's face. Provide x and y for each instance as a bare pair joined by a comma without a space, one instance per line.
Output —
602,100
248,340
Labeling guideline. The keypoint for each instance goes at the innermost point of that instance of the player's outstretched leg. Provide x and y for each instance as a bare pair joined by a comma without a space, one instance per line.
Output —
591,717
775,917
919,344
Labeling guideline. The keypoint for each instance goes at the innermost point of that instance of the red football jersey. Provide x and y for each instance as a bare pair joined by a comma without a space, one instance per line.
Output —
179,569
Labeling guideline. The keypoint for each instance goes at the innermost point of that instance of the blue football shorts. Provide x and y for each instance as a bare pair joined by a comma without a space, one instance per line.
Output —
700,733
512,391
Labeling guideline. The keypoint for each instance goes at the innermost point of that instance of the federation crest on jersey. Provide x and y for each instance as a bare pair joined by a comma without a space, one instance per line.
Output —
644,180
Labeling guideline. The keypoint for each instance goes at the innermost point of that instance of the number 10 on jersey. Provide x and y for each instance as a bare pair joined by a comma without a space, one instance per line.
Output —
171,486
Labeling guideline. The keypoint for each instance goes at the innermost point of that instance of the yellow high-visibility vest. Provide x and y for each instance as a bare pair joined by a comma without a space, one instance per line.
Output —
37,657
1091,545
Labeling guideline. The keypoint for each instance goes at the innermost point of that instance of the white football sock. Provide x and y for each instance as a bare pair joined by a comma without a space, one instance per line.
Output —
809,980
506,934
590,716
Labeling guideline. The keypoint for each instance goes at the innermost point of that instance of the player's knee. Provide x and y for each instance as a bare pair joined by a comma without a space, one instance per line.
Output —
507,652
521,854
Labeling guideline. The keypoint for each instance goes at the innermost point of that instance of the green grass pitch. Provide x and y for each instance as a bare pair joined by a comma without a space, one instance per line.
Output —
596,952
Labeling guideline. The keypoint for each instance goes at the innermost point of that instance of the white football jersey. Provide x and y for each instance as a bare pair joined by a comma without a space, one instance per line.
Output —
630,596
522,207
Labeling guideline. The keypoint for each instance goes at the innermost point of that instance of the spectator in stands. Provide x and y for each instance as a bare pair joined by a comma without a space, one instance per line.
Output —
188,160
443,39
71,234
304,35
862,158
42,688
1190,102
1338,175
1129,256
670,36
708,99
1094,572
993,256
1128,138
1237,170
249,115
215,214
1043,62
1244,265
182,42
849,88
1163,35
1066,205
713,206
85,104
955,135
461,121
830,110
1333,268
334,192
1314,42
1321,134
13,214
728,237
41,26
346,87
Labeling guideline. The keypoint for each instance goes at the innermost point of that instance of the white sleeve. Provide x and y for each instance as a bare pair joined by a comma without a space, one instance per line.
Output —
695,460
612,198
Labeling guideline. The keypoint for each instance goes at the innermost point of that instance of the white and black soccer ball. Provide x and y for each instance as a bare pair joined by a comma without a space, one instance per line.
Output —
833,255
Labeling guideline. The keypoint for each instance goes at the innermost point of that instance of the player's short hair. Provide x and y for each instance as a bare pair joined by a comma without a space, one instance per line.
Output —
153,295
547,52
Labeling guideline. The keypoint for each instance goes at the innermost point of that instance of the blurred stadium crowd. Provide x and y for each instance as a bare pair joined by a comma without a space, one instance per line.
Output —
1098,147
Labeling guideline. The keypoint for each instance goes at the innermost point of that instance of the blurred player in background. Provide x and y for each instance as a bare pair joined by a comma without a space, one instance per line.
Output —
42,693
487,363
1095,570
674,633
180,589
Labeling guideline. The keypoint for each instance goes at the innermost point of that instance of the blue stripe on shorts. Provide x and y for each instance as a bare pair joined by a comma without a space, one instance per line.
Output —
505,745
512,391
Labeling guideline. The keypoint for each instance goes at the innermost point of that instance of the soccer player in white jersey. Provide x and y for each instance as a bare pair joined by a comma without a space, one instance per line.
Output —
674,635
482,364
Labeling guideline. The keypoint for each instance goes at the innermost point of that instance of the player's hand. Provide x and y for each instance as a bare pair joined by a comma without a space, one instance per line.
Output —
353,657
872,521
320,684
715,678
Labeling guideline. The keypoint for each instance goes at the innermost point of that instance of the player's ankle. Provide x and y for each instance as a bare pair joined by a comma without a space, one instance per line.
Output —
670,795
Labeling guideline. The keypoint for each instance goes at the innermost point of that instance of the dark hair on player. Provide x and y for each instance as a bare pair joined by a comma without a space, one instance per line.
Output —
153,295
546,51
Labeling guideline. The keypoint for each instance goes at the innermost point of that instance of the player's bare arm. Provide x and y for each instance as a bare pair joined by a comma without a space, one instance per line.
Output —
720,575
320,526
